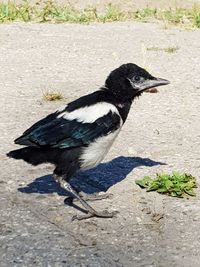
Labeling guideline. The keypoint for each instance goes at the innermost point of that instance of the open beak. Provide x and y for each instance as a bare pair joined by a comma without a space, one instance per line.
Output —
152,83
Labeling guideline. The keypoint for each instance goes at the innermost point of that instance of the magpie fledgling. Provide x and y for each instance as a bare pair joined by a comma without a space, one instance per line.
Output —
78,136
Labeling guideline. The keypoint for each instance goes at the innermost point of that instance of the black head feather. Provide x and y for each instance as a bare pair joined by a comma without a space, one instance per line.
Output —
129,81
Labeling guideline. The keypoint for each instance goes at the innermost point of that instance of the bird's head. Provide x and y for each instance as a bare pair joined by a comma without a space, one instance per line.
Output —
129,81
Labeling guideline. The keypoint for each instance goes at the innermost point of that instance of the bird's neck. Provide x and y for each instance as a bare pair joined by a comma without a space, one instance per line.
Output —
123,109
122,104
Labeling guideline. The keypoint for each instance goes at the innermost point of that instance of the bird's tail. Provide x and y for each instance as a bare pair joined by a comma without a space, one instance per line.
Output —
32,155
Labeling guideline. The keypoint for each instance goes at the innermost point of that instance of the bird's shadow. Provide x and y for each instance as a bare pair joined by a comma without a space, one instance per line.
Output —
98,179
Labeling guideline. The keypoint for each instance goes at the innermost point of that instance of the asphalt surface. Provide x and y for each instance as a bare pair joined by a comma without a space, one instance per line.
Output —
162,134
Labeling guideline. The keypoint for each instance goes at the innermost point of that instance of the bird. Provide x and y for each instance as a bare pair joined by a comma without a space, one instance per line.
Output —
77,137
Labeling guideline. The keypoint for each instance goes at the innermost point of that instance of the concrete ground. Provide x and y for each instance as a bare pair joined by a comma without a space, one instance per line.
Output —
162,134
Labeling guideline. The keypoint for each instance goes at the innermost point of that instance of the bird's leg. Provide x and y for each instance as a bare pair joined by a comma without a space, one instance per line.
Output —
95,196
91,212
89,197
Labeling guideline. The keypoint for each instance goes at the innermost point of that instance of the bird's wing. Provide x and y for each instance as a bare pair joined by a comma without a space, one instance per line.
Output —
73,129
74,105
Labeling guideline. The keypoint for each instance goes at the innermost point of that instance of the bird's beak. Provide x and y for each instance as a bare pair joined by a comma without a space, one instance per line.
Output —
150,83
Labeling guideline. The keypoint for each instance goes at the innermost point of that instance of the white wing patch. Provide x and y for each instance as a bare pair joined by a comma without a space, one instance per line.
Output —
89,114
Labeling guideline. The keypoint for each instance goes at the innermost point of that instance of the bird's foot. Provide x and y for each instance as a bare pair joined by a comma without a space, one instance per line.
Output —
100,214
90,211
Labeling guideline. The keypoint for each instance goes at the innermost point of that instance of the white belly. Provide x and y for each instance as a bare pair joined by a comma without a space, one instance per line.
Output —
95,152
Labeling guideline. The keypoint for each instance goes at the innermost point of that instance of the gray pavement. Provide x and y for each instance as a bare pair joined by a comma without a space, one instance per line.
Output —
162,134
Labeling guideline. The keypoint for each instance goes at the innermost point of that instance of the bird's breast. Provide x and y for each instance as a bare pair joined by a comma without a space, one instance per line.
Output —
97,150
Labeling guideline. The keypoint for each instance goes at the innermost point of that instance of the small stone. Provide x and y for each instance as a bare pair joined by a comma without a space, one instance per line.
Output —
138,219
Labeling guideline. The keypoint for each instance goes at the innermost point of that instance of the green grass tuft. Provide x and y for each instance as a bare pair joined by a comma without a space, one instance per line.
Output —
49,11
176,185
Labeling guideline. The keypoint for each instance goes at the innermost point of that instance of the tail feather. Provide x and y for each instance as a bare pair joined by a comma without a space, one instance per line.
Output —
24,141
31,155
59,157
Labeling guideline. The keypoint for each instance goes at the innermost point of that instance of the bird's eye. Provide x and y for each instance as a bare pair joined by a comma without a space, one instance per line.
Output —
137,78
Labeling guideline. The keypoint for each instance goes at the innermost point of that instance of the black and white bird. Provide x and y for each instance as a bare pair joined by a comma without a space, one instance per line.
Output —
78,136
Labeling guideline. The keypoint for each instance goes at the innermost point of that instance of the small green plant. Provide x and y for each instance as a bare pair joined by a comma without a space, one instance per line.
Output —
52,95
170,49
176,185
